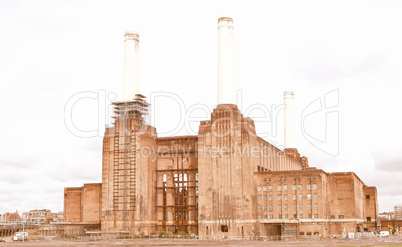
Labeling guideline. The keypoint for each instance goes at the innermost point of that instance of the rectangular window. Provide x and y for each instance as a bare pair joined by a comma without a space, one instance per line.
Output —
285,207
367,197
341,216
300,216
300,197
295,216
271,208
164,178
270,188
259,208
315,206
293,187
332,217
279,198
271,216
265,216
196,176
279,207
309,206
286,216
264,188
301,206
315,216
259,198
308,233
279,188
259,217
280,216
308,196
285,197
265,198
310,216
294,197
270,197
368,219
301,233
314,186
309,186
299,187
180,177
285,187
315,196
259,188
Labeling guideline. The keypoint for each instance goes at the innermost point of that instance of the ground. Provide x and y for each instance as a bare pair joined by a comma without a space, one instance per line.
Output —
170,242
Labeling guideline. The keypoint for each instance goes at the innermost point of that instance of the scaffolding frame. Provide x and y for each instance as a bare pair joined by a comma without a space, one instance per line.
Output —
130,116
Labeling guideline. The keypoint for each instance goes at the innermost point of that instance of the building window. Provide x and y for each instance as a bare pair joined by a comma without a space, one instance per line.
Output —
285,207
309,206
299,187
314,186
285,197
315,206
295,216
294,197
301,206
265,216
301,233
308,233
259,217
264,188
316,233
265,179
300,216
294,207
310,216
279,198
332,216
196,176
279,188
259,198
271,216
285,187
293,187
309,186
308,196
315,196
271,208
279,207
315,216
270,197
259,188
259,208
265,198
280,216
300,197
269,179
164,177
341,216
270,188
367,197
286,216
368,219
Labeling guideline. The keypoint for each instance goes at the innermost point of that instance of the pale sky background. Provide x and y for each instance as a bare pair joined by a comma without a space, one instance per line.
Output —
52,50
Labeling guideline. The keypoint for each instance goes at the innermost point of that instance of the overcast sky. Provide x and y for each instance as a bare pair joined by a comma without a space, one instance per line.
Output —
52,51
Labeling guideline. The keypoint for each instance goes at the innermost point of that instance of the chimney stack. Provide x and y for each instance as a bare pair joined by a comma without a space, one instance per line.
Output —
226,79
290,125
131,77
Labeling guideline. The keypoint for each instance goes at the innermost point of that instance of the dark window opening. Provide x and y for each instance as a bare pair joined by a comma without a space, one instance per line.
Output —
368,218
367,197
224,228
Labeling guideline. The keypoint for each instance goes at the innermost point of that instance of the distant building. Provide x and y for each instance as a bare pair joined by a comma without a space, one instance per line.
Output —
398,212
40,216
10,217
386,215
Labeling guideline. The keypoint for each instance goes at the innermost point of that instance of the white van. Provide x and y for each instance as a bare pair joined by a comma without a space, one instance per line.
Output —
22,236
383,234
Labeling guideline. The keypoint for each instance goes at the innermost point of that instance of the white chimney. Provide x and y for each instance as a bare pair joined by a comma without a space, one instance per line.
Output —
131,77
226,79
290,125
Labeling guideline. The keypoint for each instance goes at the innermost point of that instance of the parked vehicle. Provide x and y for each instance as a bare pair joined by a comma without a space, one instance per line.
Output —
383,234
2,240
21,236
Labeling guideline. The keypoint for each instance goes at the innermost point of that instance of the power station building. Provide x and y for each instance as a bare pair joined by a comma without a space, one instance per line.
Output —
225,182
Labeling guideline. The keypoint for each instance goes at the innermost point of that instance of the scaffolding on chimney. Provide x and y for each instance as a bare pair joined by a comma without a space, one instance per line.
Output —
130,116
